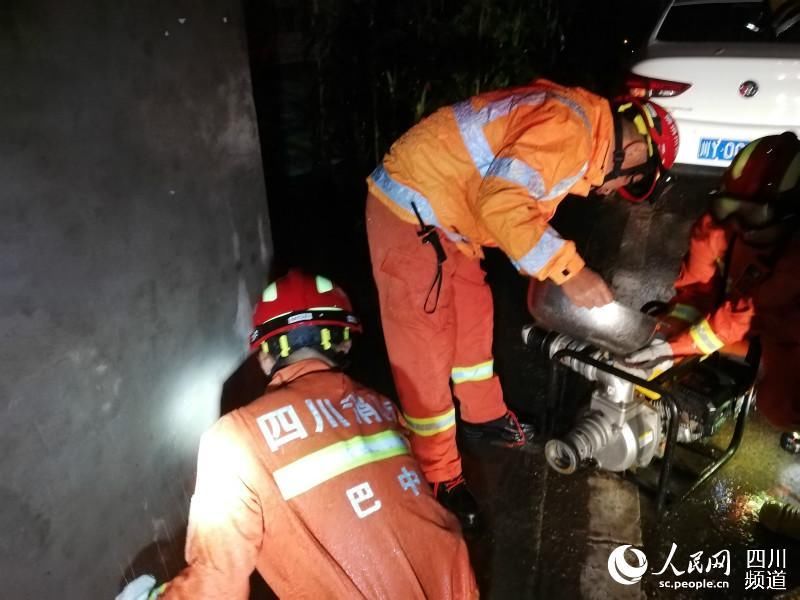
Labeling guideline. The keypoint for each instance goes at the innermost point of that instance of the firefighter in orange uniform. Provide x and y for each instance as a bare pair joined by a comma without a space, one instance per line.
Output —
313,484
490,171
740,279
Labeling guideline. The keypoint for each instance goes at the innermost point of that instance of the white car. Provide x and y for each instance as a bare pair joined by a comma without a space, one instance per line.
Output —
728,71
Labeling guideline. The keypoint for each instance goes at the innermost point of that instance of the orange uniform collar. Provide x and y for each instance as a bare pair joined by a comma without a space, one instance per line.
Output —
298,369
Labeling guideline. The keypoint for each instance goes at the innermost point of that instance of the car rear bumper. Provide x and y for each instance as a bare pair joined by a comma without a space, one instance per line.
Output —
692,133
681,169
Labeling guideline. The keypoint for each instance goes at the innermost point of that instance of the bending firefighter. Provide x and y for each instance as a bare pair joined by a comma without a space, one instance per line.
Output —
490,171
312,484
739,280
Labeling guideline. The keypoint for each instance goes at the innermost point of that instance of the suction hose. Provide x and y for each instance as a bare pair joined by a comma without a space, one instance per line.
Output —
589,436
593,431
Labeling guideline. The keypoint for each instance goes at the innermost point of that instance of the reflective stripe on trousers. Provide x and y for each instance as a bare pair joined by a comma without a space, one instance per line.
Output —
479,372
431,425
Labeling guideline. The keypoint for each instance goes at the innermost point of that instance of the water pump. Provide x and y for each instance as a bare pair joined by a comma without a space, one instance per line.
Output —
630,421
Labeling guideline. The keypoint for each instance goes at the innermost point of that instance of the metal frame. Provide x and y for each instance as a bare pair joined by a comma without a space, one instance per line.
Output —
556,394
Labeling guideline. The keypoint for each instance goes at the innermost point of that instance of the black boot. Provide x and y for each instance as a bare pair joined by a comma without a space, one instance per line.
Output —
455,496
505,431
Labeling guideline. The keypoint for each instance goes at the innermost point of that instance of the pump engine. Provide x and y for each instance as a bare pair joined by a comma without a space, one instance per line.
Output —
626,426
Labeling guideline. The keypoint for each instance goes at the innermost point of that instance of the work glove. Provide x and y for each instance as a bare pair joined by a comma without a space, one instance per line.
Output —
141,588
635,371
653,359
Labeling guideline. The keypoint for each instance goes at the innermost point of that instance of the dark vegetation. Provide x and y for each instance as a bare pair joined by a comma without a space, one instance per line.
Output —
336,82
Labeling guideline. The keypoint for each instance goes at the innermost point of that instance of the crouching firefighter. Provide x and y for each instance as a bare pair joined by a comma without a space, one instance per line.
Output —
312,484
490,171
740,280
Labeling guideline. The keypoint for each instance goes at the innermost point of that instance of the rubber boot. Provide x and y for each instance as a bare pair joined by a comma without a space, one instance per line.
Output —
505,431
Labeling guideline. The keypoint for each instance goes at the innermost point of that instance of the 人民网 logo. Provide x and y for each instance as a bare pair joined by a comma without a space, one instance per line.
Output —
621,570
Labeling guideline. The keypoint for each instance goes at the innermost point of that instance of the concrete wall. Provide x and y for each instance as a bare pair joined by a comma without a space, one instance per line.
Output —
133,238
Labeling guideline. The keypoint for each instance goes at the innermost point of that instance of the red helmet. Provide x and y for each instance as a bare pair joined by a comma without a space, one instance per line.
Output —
761,184
661,132
764,169
300,310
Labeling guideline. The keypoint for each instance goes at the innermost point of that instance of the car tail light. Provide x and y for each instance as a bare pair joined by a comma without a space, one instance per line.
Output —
649,87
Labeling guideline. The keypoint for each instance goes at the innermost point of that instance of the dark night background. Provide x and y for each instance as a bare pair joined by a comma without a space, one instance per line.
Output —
336,82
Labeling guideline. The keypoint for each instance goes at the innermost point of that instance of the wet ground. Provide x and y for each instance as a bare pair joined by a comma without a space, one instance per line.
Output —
723,515
548,535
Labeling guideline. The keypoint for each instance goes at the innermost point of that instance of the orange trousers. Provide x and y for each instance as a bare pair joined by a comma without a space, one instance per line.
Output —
428,351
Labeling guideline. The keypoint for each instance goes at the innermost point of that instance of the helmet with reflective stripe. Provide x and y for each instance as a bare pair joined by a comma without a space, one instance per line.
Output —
661,134
304,310
764,170
762,183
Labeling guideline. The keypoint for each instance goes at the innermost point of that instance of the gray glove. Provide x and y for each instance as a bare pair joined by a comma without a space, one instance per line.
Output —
653,359
141,588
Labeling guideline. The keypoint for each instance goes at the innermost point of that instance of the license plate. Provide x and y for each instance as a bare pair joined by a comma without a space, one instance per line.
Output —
719,149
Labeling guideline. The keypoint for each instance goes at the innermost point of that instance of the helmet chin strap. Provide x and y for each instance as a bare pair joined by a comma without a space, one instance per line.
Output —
619,151
619,156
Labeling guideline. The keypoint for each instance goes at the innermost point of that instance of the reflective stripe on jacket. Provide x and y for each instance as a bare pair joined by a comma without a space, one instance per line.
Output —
490,171
313,485
756,298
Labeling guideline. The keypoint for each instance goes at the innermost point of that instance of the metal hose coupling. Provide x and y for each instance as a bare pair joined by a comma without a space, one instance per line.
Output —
549,343
587,438
537,339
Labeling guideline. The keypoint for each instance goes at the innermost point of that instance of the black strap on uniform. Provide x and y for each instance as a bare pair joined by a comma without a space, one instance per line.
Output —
753,275
427,233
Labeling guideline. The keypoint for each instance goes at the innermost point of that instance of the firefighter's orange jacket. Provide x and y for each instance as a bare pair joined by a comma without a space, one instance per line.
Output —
490,171
756,298
313,486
